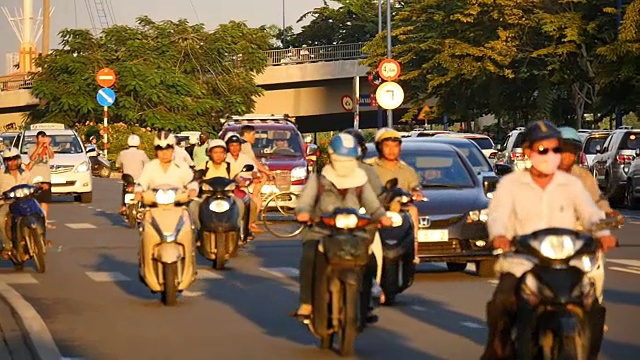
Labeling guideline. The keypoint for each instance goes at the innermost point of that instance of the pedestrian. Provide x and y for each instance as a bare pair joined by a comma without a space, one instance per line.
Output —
200,151
38,165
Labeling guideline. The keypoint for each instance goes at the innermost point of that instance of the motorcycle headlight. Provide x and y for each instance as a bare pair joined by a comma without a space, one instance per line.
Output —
219,206
165,197
299,173
558,247
478,215
396,219
346,221
22,192
362,211
405,199
82,167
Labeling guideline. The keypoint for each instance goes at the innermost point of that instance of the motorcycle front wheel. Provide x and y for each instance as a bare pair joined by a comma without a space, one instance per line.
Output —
37,240
349,319
170,292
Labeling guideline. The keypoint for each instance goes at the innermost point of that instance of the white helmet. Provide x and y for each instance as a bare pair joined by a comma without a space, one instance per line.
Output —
10,153
133,140
193,140
164,139
216,143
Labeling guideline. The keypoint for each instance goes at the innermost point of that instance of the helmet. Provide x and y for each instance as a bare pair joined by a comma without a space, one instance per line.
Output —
570,137
344,145
216,143
164,139
10,153
232,138
541,130
133,140
193,140
359,139
386,134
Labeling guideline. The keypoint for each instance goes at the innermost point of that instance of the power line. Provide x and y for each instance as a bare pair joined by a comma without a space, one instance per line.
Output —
194,10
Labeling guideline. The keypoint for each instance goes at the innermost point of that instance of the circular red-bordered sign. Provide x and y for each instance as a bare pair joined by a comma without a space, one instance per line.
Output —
389,69
106,77
347,103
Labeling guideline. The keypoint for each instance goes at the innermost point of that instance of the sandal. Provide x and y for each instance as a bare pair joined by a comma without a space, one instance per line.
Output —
51,227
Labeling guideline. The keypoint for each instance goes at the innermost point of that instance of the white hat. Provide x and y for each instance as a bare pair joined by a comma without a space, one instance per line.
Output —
216,143
133,140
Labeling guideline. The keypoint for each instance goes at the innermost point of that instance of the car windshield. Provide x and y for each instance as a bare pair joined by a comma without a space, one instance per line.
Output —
7,140
483,142
592,142
475,156
277,143
60,144
439,169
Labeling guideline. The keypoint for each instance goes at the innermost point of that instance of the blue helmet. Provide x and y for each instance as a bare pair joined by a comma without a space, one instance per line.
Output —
344,145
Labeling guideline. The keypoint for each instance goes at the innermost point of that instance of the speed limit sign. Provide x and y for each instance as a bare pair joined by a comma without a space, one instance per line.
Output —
389,69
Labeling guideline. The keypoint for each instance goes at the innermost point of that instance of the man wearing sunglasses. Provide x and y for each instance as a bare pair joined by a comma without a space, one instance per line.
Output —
525,202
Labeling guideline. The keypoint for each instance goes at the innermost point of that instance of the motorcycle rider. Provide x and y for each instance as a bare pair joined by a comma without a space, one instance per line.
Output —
388,165
163,170
340,181
525,202
132,161
12,175
180,154
216,167
193,140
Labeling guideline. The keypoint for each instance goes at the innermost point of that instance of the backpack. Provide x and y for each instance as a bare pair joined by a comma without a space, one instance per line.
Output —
206,168
343,192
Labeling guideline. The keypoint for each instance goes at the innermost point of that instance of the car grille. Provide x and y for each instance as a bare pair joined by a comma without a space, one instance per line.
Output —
443,223
59,169
440,248
283,180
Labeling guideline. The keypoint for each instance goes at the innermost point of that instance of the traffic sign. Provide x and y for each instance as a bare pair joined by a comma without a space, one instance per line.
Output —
374,79
389,69
106,77
389,95
106,97
368,100
347,103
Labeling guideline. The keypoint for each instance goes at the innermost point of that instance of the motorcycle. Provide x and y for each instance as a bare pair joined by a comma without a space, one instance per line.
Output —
100,166
27,226
554,297
134,209
167,254
340,263
398,269
219,235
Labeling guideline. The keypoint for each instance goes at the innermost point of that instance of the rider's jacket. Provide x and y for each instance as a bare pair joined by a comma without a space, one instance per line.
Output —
373,177
132,161
178,174
407,177
589,182
7,181
237,165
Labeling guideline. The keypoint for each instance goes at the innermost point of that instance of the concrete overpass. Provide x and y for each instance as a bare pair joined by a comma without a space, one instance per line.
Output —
307,83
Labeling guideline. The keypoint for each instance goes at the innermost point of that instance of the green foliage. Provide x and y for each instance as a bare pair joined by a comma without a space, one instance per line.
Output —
117,138
171,75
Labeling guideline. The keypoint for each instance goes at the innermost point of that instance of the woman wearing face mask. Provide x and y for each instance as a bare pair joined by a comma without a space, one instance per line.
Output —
528,201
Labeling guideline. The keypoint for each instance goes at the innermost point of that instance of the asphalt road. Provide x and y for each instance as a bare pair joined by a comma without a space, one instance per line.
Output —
95,307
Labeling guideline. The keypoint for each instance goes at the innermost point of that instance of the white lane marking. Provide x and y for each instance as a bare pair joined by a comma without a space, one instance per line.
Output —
98,209
471,325
208,275
51,221
628,262
34,325
18,278
105,276
80,226
418,308
188,293
90,207
282,272
494,281
625,270
634,222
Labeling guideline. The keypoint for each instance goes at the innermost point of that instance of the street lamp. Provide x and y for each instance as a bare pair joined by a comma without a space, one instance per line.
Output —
284,23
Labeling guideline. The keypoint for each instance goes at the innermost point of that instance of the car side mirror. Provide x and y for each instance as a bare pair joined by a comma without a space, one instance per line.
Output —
638,152
598,149
497,147
391,183
503,169
489,183
247,168
311,150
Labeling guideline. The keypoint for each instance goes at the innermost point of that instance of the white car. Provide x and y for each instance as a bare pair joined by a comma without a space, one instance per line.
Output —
485,143
70,166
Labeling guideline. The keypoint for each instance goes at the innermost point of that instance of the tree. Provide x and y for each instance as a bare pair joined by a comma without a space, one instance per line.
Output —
352,21
276,36
171,75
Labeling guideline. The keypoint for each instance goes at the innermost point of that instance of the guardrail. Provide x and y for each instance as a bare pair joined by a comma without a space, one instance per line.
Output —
316,54
15,84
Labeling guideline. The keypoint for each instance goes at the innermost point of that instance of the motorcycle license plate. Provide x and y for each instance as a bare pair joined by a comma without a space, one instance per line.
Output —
128,198
433,235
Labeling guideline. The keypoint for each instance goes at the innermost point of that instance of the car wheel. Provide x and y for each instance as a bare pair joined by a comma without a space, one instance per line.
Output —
86,198
105,172
485,268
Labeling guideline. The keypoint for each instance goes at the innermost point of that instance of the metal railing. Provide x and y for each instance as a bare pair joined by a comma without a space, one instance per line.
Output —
15,84
316,54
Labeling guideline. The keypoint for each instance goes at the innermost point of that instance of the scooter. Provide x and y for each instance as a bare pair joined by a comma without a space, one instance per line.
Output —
100,166
340,263
219,232
398,269
27,226
167,236
558,314
135,209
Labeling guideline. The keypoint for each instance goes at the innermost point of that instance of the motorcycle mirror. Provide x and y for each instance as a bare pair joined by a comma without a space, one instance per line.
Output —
198,175
391,183
127,179
247,168
489,184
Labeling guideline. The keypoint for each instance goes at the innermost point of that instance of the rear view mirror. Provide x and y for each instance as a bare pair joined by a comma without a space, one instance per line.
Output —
489,184
638,152
503,169
311,150
391,183
127,179
497,147
247,168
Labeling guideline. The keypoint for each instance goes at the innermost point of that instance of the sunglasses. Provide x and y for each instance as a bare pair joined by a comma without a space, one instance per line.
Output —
544,151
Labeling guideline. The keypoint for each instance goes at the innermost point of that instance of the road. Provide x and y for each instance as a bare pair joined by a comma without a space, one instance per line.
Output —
95,307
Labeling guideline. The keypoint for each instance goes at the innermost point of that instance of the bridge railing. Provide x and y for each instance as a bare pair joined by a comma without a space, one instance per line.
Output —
15,84
316,54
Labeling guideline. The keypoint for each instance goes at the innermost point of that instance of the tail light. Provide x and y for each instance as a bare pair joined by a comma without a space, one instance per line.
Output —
517,156
493,155
624,159
583,160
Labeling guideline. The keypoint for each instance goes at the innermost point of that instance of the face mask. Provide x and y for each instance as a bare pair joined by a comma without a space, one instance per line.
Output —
344,168
546,164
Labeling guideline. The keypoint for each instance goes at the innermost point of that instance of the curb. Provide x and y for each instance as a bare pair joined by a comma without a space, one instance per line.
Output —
39,338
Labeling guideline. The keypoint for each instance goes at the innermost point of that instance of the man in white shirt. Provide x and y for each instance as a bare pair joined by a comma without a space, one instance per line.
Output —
132,161
12,175
180,154
525,202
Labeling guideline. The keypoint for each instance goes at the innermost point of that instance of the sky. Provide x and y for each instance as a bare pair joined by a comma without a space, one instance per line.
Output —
73,13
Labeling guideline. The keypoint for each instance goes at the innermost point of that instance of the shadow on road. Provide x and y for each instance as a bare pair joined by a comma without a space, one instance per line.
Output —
621,297
134,288
114,219
619,350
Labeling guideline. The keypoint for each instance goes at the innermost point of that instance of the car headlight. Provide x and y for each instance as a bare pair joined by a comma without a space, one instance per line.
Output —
396,219
83,167
346,221
478,215
558,247
165,197
219,206
299,173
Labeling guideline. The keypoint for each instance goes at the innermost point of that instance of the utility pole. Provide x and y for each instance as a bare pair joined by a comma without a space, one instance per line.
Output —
389,112
618,23
379,32
46,26
284,24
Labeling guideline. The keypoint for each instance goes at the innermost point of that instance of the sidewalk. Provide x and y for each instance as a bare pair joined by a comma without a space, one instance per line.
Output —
13,340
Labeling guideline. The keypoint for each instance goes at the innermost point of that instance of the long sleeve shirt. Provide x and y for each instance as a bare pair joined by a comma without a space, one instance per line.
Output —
178,175
132,161
591,186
